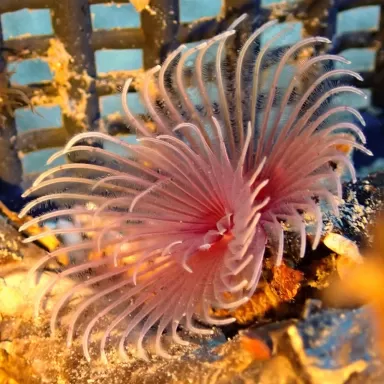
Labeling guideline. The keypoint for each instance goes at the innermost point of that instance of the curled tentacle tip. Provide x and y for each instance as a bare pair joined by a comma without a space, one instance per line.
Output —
143,355
324,40
187,268
103,358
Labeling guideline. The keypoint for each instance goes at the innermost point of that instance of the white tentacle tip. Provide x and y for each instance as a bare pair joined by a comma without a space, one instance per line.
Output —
187,267
278,262
369,153
123,354
315,244
163,354
53,157
141,354
23,227
36,313
103,358
324,40
26,193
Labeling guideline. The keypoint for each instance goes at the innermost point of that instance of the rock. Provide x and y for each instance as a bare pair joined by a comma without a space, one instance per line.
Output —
362,202
15,370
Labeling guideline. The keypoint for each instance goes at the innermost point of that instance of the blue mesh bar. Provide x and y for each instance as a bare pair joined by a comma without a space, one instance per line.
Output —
10,164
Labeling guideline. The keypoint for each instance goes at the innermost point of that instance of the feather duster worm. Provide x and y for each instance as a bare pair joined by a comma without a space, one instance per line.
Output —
181,221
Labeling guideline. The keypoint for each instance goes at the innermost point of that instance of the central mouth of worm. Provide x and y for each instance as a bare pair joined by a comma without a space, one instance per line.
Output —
217,239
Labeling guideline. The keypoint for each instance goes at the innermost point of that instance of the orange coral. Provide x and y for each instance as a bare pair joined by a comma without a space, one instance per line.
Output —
256,347
283,287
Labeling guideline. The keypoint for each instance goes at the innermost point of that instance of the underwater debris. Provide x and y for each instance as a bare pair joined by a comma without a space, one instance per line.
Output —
347,251
342,246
